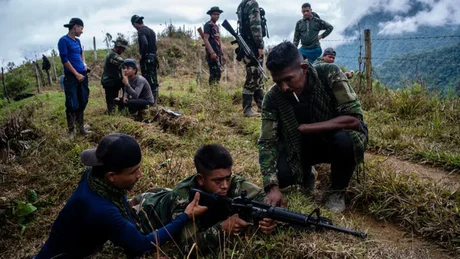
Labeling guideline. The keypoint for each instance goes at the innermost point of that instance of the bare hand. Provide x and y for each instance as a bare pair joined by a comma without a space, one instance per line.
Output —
214,57
320,37
194,208
233,225
267,225
275,198
125,80
125,100
304,128
261,53
80,77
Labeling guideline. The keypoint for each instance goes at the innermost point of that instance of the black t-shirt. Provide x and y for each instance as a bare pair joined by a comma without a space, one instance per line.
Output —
147,41
214,37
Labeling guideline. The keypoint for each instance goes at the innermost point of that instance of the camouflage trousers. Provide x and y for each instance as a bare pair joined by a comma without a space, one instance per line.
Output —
253,80
214,73
149,72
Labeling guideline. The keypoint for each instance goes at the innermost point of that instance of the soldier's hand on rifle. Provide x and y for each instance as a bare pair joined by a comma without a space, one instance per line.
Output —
125,100
275,198
194,208
267,225
80,77
261,53
233,225
214,57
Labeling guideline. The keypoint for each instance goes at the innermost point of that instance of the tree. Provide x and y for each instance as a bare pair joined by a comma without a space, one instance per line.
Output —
108,39
10,66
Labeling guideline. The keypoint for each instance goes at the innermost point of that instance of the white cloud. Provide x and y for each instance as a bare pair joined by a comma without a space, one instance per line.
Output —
30,27
438,13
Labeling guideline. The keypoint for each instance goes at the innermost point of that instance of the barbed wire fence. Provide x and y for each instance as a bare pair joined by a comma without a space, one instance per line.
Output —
367,66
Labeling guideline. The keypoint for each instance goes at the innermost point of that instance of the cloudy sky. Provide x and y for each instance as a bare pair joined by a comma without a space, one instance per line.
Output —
30,27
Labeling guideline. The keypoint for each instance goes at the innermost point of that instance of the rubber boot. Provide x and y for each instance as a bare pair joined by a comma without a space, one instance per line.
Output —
71,117
247,106
81,124
155,97
258,98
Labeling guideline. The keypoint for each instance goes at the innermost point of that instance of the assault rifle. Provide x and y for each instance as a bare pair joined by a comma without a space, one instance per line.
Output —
248,208
243,48
219,63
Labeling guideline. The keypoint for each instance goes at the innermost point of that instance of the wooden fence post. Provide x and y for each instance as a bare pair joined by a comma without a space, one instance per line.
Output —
36,75
95,51
368,57
235,69
54,68
5,91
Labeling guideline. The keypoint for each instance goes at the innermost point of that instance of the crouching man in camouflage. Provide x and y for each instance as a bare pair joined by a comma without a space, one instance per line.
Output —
311,115
214,175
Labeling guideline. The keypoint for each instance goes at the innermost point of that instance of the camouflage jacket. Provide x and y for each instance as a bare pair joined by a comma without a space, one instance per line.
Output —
112,76
325,79
250,23
318,61
307,30
158,209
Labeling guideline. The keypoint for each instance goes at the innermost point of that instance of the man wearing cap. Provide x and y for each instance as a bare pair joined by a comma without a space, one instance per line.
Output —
213,45
137,92
112,76
329,58
76,80
148,53
307,32
98,209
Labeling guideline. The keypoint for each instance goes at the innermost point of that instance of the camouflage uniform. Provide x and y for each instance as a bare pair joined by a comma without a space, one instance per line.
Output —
158,209
111,78
251,31
330,95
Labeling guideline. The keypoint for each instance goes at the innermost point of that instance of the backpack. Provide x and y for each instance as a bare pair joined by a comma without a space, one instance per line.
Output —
243,22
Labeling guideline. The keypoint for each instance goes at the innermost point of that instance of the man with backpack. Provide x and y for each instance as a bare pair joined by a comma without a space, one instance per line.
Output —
307,32
252,31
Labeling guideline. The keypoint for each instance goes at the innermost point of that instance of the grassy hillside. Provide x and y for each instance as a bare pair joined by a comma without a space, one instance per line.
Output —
413,124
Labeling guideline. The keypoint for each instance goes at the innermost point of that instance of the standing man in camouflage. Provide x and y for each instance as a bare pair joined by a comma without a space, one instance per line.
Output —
307,32
213,46
112,77
214,175
148,53
76,80
250,28
309,116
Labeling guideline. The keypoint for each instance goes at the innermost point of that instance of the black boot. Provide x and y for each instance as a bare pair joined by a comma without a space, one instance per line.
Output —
258,98
81,124
71,117
247,106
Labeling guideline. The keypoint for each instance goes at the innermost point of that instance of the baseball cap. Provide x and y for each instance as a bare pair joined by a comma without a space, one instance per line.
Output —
115,151
74,21
329,51
135,18
129,62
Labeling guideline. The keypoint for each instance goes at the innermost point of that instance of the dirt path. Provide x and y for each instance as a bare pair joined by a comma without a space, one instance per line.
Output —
424,172
387,233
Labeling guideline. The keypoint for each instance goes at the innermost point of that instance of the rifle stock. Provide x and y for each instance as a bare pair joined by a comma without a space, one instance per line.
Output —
243,48
246,206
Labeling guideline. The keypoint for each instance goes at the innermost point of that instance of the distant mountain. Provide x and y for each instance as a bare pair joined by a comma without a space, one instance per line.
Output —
438,68
393,46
